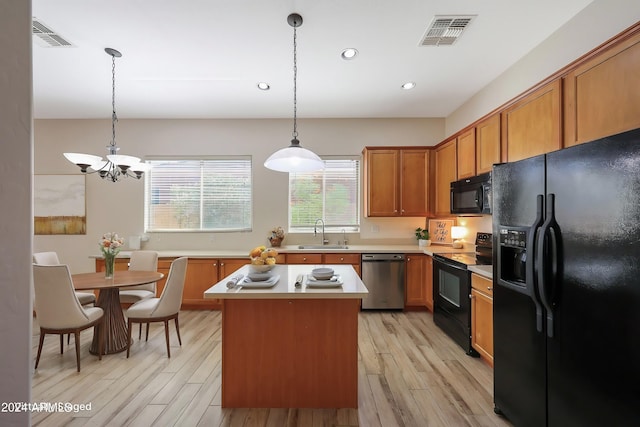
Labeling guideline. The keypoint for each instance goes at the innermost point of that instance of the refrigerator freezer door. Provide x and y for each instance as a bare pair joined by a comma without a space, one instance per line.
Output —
594,354
519,348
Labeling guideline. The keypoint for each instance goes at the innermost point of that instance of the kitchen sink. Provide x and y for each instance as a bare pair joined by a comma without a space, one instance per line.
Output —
323,247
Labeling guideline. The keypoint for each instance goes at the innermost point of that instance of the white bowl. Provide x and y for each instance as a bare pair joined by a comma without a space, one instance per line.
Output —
322,273
260,268
259,277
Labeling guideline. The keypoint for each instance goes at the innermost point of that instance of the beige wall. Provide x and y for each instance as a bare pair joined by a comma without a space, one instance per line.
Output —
15,208
119,206
598,22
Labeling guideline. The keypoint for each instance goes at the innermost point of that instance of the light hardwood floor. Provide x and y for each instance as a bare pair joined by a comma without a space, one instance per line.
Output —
410,374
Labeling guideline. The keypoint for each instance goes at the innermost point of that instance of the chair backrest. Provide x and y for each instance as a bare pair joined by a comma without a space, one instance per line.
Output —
56,303
171,298
46,258
143,261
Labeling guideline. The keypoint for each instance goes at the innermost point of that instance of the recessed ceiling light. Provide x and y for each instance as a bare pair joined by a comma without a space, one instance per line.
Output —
408,85
263,86
349,53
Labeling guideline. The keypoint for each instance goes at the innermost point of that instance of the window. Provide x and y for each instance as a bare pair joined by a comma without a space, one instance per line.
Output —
186,194
332,194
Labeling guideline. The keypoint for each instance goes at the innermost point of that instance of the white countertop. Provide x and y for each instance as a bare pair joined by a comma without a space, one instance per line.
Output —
482,270
230,253
285,287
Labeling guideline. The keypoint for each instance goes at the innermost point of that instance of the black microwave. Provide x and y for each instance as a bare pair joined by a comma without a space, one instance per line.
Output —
471,195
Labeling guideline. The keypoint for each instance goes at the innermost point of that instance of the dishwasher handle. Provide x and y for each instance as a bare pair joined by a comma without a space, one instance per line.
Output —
382,257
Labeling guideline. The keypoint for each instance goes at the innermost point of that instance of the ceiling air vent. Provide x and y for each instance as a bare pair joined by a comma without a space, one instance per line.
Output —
45,36
446,29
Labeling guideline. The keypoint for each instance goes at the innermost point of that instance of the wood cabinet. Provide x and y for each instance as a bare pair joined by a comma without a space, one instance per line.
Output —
482,316
602,95
396,181
202,273
487,144
418,281
446,172
532,125
466,154
326,258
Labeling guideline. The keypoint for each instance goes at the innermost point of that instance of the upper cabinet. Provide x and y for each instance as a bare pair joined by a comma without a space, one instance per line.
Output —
446,172
532,125
396,181
466,154
487,144
602,95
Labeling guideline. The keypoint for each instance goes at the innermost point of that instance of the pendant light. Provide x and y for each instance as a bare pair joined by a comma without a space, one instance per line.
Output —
294,158
117,165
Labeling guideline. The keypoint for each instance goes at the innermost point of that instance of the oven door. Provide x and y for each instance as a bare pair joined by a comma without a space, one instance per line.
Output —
452,308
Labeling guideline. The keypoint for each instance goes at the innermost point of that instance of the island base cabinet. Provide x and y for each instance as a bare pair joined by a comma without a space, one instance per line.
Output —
283,353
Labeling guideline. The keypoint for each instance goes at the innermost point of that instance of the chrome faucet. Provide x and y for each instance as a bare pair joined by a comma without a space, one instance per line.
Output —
315,231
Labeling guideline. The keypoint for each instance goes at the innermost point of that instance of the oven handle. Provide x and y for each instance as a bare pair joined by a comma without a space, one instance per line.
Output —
448,263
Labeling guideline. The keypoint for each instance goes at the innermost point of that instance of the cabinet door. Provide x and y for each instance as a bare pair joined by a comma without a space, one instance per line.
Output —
428,281
487,144
353,259
445,173
602,96
531,126
381,182
201,275
414,182
482,317
466,154
230,265
415,289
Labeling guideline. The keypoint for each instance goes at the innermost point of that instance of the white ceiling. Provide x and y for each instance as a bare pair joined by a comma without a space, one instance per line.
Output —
203,58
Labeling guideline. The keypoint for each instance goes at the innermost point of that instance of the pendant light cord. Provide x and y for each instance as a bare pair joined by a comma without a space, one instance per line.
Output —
114,118
295,78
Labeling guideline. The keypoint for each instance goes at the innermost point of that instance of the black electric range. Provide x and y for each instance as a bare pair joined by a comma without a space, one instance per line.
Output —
482,255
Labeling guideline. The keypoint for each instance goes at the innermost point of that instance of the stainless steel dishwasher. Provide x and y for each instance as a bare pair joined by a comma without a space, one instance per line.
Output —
383,275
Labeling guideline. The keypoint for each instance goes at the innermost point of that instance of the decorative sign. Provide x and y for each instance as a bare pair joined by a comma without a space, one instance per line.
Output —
440,230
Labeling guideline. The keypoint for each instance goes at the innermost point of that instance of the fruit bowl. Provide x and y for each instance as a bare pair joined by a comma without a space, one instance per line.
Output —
263,268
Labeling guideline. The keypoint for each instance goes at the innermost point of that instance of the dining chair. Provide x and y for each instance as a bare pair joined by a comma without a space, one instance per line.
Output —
51,258
161,309
140,261
59,311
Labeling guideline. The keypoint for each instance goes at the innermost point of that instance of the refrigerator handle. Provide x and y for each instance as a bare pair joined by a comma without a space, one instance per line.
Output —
531,268
548,229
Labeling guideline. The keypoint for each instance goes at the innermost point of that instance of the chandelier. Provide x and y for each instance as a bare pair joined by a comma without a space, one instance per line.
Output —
117,165
294,158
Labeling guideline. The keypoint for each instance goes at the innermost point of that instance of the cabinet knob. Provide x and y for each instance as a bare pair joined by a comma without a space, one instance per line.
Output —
304,258
341,258
470,296
489,288
215,264
222,264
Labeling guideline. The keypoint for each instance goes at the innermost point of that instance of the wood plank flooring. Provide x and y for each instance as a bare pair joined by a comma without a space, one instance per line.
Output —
410,374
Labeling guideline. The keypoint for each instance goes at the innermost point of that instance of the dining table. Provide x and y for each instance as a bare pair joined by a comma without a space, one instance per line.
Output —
115,334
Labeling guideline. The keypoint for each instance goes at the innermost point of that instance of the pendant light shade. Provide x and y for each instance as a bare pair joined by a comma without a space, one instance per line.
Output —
117,165
294,158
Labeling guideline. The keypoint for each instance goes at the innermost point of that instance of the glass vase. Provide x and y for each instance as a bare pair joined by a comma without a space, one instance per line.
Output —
109,265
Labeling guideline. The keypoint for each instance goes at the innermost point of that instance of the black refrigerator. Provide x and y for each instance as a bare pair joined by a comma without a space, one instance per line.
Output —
566,229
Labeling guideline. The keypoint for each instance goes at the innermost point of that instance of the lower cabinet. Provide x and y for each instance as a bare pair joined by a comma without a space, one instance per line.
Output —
418,281
326,258
482,316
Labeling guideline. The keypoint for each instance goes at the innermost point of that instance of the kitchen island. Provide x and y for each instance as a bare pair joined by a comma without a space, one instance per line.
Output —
288,346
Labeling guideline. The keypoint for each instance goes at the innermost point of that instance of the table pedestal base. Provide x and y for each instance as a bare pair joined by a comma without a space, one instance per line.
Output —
115,337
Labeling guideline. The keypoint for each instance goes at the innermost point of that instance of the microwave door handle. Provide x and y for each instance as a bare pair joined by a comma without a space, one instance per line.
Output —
530,276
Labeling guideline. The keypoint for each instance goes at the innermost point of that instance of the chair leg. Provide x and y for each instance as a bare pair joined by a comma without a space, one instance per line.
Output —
61,343
128,336
178,330
140,330
39,348
166,336
76,336
146,338
68,338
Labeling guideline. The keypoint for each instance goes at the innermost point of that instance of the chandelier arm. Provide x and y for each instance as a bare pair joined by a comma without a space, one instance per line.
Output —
295,82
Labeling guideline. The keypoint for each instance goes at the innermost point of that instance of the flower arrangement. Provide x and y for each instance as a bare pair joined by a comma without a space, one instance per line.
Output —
277,236
110,245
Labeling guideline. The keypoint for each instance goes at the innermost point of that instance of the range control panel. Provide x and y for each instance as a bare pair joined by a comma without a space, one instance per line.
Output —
514,238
